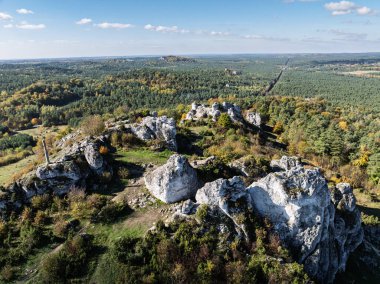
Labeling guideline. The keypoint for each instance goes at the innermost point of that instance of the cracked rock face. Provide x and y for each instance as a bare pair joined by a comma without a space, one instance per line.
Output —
161,128
230,196
298,203
67,170
173,182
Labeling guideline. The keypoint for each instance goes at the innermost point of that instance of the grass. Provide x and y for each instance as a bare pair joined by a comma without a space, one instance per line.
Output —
36,131
368,203
199,129
143,156
7,172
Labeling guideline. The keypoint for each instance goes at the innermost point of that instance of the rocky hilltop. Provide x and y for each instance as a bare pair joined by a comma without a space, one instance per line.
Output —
321,227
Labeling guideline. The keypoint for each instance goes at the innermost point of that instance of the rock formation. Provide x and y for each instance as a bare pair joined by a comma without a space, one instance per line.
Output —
78,165
161,128
175,181
230,196
286,163
253,118
199,111
320,231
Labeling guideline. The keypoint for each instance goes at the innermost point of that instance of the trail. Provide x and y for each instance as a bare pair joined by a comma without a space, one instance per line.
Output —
275,81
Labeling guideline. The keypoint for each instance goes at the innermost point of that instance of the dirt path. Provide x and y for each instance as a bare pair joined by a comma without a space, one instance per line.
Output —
275,81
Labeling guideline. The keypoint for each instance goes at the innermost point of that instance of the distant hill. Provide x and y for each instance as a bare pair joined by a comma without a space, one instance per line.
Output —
172,58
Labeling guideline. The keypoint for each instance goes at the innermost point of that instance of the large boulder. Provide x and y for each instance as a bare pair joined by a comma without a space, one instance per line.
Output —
93,157
297,201
161,128
173,182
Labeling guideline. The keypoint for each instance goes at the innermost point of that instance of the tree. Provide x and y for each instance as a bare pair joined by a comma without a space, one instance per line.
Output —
225,121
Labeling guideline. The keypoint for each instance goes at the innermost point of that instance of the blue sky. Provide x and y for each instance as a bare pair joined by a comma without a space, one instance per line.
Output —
72,28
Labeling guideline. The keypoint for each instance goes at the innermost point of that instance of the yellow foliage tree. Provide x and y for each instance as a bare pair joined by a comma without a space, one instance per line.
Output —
343,125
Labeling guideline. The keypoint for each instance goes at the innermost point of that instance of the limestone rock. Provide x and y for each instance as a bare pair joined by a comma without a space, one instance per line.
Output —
187,207
93,156
162,128
67,170
297,201
200,111
173,182
201,163
231,197
254,118
286,163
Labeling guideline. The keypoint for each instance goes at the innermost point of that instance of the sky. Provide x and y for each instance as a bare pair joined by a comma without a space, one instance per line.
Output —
87,28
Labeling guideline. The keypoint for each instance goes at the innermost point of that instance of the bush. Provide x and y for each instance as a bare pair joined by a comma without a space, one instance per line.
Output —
103,150
41,202
112,211
370,220
7,273
69,262
92,125
123,173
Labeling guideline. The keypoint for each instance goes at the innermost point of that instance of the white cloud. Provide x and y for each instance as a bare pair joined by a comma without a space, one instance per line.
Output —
26,26
164,29
348,7
106,25
24,11
293,1
4,17
84,21
340,13
364,11
340,6
8,26
214,33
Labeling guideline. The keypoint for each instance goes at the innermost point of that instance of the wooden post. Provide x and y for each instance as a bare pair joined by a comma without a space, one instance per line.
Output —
45,151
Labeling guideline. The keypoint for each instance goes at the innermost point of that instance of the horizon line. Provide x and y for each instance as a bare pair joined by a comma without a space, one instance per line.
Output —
181,54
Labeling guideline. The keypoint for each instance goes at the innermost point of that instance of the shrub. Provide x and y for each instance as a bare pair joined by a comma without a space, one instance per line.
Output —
370,220
92,125
123,173
40,218
103,150
52,269
41,202
202,212
61,228
7,273
112,211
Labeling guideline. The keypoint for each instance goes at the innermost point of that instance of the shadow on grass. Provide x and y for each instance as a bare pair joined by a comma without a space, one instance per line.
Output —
369,211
